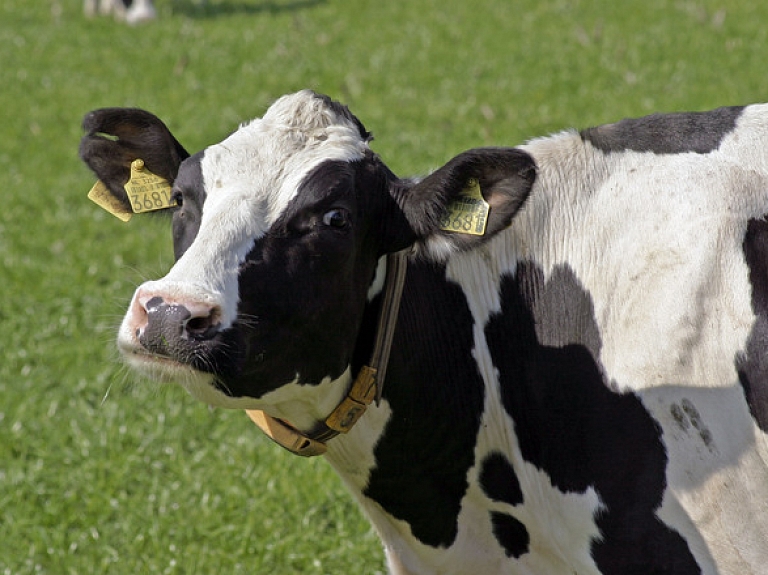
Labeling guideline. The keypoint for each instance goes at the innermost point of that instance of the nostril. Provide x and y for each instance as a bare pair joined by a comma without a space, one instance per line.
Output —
198,324
204,326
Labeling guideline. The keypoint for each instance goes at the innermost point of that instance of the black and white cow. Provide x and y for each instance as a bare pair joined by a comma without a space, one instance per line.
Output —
132,11
581,389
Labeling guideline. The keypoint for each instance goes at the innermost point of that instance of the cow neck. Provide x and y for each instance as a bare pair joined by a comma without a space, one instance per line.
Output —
367,386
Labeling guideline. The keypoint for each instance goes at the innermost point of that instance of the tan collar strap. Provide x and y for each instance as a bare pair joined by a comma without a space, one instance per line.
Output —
367,385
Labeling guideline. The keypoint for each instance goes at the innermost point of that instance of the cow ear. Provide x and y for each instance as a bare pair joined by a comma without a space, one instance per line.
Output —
469,200
115,137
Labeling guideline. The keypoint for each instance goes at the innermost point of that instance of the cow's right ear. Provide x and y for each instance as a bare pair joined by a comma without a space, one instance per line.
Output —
468,200
115,138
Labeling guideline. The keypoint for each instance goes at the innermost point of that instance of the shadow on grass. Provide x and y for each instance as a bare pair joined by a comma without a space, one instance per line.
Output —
208,9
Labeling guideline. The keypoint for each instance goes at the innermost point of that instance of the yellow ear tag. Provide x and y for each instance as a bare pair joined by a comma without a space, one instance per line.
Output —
146,191
468,213
102,197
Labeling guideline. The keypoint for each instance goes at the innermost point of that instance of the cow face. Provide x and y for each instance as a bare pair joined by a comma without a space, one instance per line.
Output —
279,233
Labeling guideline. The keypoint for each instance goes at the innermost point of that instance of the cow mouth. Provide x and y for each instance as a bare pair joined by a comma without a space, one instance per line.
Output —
202,385
198,374
162,368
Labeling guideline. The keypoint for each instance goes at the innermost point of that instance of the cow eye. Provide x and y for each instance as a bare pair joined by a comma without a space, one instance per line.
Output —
337,218
177,198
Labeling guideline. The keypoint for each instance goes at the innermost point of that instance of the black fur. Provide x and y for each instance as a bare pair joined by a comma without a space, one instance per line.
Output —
699,132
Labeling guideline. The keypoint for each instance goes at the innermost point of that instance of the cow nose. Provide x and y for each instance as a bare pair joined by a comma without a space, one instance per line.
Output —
198,321
168,325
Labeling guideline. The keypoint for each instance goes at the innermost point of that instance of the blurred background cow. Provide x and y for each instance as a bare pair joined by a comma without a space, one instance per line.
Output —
131,11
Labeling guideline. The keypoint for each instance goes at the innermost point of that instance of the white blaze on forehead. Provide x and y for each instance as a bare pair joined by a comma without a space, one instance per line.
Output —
250,178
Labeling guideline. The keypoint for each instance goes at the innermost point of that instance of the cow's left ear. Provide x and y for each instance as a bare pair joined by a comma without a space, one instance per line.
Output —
469,200
115,139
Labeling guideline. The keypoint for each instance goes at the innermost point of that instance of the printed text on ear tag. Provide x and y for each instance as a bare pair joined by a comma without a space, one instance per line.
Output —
468,213
146,191
102,197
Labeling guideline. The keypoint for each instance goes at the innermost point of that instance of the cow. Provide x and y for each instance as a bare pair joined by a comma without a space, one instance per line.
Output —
131,11
544,359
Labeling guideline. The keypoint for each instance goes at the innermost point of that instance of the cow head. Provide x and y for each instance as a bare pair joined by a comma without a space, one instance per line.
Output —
279,235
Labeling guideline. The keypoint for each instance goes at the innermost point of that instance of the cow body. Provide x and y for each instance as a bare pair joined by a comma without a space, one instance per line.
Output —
580,390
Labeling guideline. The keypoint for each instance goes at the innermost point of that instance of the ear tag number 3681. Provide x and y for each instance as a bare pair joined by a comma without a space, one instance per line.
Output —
468,213
146,191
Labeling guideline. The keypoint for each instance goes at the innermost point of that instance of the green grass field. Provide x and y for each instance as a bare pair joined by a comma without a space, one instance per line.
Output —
100,473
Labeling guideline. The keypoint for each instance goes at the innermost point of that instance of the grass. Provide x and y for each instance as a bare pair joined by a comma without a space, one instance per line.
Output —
99,474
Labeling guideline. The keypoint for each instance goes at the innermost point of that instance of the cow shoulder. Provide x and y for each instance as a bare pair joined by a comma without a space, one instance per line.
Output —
573,424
